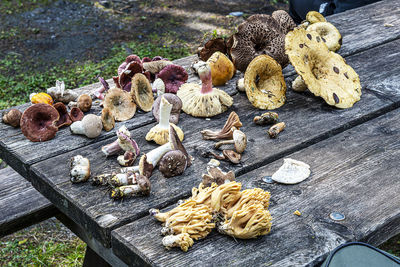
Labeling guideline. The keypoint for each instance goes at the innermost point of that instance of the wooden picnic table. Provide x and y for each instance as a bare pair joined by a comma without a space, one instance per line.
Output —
353,154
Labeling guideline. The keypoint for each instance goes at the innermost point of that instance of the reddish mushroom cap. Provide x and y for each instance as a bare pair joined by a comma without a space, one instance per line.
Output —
76,114
146,59
173,77
126,75
64,119
38,122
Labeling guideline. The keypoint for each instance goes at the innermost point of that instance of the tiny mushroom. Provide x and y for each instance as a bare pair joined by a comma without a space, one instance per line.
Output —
107,119
240,85
120,104
222,68
173,163
84,102
158,87
266,118
239,141
80,169
299,85
276,129
204,100
141,188
76,114
176,107
210,47
38,122
160,132
90,126
12,117
64,119
141,92
59,94
232,123
173,77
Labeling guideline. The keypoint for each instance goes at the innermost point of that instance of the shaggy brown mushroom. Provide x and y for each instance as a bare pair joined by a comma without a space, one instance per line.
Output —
120,103
142,92
12,117
325,73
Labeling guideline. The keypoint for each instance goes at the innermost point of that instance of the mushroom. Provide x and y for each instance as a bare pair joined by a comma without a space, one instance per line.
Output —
222,69
120,104
173,77
127,70
142,92
160,132
204,100
325,73
176,107
124,143
12,117
99,93
158,87
210,47
240,85
107,119
59,94
80,169
225,196
264,83
127,159
266,118
38,122
154,67
232,123
232,156
84,102
291,172
216,175
183,241
239,140
128,59
276,129
43,98
299,85
328,33
248,197
314,17
76,114
261,34
173,163
90,126
64,119
142,188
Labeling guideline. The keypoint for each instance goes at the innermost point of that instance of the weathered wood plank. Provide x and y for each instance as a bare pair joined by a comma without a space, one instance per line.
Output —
354,173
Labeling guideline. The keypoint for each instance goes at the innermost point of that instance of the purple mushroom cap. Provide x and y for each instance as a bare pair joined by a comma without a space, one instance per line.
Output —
173,77
126,75
146,59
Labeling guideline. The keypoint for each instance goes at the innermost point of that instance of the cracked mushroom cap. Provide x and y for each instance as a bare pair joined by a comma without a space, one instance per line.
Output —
64,119
176,107
222,68
173,77
261,34
264,83
210,47
329,34
325,73
142,92
38,122
120,103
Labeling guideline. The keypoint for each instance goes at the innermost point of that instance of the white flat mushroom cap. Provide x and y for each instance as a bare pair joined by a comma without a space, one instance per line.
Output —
292,172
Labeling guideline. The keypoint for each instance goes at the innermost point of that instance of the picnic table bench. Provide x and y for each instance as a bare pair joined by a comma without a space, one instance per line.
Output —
353,154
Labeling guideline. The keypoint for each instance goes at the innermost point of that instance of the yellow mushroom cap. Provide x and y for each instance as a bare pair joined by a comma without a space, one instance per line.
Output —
142,92
120,104
264,83
314,17
325,73
329,34
161,135
222,69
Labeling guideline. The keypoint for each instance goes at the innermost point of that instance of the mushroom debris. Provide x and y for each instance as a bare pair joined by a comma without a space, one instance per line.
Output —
204,100
80,169
59,94
276,129
232,123
266,118
173,77
175,111
160,132
292,172
90,126
141,188
12,117
120,104
325,73
264,83
216,175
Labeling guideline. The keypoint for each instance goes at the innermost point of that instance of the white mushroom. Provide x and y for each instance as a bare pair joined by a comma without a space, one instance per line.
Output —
90,126
292,172
80,169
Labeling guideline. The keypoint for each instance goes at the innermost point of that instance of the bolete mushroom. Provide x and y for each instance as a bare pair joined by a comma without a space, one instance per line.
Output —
120,103
264,83
160,132
173,77
124,143
173,163
76,114
64,119
90,126
142,92
107,118
222,68
232,123
325,73
12,117
239,141
204,100
176,107
141,188
38,122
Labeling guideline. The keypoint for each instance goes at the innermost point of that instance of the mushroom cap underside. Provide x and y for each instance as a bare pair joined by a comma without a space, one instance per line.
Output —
120,103
325,73
142,92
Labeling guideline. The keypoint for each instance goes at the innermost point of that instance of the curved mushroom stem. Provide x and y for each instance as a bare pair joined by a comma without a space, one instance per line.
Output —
165,112
206,80
225,142
111,149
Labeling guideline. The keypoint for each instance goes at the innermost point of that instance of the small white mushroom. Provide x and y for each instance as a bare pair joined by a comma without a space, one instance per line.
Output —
240,85
158,87
292,172
90,126
80,169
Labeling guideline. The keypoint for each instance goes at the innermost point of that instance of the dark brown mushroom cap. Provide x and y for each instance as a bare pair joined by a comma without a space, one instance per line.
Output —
173,163
126,75
107,119
176,107
145,168
76,114
38,122
12,117
284,20
260,34
210,47
173,77
141,92
177,144
84,102
64,119
144,184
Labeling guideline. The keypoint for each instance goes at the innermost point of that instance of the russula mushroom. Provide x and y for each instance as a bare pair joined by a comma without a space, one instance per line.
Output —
239,141
276,129
128,59
76,114
183,241
160,132
107,118
261,34
173,163
325,73
141,188
266,118
299,85
173,77
120,103
142,92
154,67
125,77
158,87
90,126
38,122
59,94
222,68
80,169
216,175
12,117
328,33
64,119
84,102
99,92
204,100
175,111
264,83
232,123
210,47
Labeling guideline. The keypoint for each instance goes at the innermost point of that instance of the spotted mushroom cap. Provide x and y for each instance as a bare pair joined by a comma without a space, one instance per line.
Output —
325,73
264,83
329,34
120,103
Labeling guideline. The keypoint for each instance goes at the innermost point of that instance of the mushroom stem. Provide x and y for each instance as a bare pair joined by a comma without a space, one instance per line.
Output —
225,142
111,149
206,80
165,112
154,156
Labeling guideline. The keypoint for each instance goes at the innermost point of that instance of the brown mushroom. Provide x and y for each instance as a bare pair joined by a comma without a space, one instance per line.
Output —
239,141
210,47
12,117
84,102
176,107
173,163
76,114
108,119
232,156
232,123
216,175
142,92
38,122
266,118
120,103
64,119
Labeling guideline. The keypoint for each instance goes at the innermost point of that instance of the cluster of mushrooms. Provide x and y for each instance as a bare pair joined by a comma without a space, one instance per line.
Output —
218,203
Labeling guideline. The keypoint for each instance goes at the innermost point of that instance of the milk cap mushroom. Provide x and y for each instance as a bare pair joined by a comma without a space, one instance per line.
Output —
264,83
38,122
141,92
64,119
84,102
204,100
173,77
173,163
222,68
107,118
12,117
76,114
90,126
239,141
325,73
328,33
120,103
176,107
